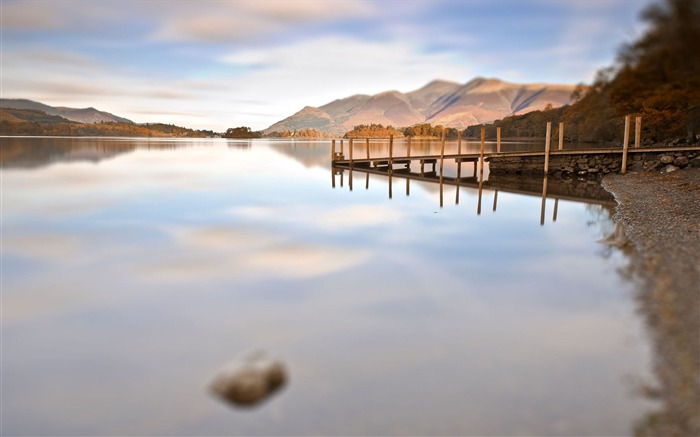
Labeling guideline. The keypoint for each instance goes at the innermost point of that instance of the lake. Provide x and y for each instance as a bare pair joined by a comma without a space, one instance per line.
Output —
134,269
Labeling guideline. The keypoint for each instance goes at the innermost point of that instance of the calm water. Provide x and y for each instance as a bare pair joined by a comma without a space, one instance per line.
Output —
134,269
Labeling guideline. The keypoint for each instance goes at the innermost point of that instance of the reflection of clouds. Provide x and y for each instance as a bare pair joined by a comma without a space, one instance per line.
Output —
341,218
51,247
217,253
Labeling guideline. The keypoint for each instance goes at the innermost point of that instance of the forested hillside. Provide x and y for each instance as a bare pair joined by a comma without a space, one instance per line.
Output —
657,77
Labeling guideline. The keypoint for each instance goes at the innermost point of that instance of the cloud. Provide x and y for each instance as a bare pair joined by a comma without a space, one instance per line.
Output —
247,21
316,71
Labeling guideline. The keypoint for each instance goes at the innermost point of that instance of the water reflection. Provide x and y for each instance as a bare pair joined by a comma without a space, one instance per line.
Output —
395,317
556,188
671,312
48,150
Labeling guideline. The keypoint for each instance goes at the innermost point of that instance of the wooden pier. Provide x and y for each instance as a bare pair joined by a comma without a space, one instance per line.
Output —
478,159
430,167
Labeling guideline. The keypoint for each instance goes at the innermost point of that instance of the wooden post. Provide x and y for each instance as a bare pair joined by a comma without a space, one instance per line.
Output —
442,156
367,181
637,131
459,142
495,200
333,177
408,148
350,177
442,159
561,136
548,140
341,147
498,139
481,156
367,146
556,209
350,146
333,153
391,152
408,187
625,145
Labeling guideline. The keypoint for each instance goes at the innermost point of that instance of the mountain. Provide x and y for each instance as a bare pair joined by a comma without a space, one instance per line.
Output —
446,103
81,115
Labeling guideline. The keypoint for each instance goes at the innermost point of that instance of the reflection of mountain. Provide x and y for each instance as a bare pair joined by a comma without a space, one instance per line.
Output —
41,151
309,154
19,153
439,102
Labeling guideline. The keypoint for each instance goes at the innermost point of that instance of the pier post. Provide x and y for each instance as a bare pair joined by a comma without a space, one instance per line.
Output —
367,146
625,145
495,200
350,147
561,136
498,139
341,147
442,155
459,142
637,131
556,209
442,159
391,152
332,150
481,155
548,140
367,181
408,147
350,178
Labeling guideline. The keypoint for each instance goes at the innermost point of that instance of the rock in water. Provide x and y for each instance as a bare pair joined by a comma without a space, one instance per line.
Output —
249,379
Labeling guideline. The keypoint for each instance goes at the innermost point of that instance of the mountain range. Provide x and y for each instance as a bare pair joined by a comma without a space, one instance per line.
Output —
450,104
81,115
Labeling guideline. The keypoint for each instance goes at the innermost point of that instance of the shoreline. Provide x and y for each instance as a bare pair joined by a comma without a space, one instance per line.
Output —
660,214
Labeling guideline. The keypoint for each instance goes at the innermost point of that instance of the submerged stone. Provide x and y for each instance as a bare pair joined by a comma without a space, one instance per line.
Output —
249,379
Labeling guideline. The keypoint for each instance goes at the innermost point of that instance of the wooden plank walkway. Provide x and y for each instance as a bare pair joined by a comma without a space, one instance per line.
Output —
474,157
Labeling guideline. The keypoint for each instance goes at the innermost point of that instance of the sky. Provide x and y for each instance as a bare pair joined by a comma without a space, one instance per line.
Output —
219,64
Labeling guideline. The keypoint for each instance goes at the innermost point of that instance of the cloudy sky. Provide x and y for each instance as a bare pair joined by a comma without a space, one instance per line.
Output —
218,64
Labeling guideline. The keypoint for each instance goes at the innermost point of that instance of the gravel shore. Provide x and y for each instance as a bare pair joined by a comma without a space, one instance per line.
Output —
661,218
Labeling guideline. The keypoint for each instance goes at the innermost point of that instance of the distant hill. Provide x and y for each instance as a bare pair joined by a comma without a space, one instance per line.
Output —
34,122
81,115
440,102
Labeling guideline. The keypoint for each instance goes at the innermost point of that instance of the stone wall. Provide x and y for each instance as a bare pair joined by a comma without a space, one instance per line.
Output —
595,164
